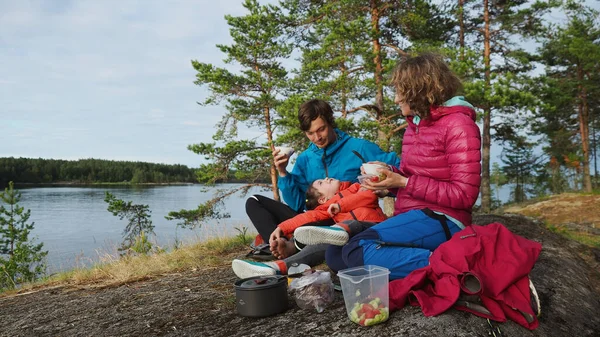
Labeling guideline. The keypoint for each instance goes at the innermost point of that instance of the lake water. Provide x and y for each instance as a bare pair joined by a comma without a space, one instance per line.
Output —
77,230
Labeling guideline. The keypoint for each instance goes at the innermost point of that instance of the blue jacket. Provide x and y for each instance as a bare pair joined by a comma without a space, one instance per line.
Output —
339,161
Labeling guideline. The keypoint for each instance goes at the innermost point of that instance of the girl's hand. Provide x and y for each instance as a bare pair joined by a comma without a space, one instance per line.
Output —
277,233
333,209
392,180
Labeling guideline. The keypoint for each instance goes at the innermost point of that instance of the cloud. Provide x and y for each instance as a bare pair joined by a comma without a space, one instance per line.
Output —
108,79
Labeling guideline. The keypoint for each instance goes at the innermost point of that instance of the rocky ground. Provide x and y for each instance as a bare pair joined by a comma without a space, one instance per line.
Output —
201,302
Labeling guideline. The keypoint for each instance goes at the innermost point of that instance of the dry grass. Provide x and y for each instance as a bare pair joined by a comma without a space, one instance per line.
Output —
113,271
576,216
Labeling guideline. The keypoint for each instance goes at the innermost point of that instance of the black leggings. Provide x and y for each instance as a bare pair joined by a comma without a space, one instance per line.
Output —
266,213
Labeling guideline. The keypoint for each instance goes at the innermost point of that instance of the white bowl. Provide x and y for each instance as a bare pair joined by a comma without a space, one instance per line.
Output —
288,151
372,168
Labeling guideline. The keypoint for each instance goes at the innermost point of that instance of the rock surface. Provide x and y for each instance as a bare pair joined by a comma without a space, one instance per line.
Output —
202,303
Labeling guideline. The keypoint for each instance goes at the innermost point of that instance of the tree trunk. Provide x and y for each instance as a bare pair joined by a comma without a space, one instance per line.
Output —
584,131
487,116
388,203
461,32
274,173
375,16
595,156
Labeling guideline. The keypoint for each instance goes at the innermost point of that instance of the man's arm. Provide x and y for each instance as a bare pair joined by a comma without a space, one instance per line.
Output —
293,185
372,152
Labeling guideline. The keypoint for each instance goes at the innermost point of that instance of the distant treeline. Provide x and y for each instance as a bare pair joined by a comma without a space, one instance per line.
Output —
88,171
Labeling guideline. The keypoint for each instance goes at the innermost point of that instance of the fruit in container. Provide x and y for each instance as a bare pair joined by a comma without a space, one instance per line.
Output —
369,313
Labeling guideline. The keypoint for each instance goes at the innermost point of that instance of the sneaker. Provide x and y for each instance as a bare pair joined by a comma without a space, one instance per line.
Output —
245,269
535,300
313,235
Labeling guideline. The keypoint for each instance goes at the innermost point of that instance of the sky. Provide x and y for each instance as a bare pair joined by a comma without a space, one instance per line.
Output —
110,79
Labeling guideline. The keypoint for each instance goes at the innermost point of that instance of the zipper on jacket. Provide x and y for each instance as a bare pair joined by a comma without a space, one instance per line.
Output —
396,244
325,163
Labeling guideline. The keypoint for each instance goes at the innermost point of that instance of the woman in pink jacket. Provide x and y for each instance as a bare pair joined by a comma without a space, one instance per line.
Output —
437,182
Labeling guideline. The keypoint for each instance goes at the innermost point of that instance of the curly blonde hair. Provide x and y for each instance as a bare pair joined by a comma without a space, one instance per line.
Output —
424,81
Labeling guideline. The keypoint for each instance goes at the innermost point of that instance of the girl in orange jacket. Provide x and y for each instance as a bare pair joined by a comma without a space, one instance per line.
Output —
331,198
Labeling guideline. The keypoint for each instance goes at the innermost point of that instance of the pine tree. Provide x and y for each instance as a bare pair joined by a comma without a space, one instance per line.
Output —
571,54
499,87
520,165
139,225
252,86
21,260
349,48
499,179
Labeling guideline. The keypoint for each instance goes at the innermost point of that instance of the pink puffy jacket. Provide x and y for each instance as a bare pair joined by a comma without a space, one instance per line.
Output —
441,159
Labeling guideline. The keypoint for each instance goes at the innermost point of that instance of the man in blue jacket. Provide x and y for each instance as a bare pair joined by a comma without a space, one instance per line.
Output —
330,154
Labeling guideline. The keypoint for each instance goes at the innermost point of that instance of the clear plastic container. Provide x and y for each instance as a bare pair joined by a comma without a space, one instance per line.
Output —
366,294
364,177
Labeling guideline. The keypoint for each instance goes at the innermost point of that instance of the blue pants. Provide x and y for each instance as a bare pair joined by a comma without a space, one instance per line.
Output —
415,229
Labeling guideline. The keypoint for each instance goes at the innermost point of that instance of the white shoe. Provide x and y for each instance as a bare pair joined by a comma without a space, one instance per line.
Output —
535,300
313,235
245,269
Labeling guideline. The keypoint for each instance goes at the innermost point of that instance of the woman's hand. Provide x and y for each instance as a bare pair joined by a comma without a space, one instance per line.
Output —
392,180
281,161
333,209
277,233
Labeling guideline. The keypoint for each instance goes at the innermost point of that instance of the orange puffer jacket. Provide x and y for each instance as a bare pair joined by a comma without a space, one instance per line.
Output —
355,204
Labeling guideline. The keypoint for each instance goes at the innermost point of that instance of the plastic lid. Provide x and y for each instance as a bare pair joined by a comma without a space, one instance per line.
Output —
358,274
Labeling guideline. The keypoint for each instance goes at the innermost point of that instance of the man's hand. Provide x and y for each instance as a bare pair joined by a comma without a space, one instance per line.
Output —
281,161
333,209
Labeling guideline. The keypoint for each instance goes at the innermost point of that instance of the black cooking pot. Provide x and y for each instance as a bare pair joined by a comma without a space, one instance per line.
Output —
261,296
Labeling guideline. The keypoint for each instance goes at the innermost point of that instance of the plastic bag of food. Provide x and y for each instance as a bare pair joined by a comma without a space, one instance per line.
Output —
313,290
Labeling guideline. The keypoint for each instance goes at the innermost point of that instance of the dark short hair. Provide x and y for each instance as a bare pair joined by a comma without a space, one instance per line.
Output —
312,197
313,109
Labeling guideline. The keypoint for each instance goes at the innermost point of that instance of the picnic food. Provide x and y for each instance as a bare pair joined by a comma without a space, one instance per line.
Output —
372,169
369,312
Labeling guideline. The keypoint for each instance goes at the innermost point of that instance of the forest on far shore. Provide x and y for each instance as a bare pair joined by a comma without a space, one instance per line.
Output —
90,171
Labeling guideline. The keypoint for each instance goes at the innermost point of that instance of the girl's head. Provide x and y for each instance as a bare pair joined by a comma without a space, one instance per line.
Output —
320,191
421,82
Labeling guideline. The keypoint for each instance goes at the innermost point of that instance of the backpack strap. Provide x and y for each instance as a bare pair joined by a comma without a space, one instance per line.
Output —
441,218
